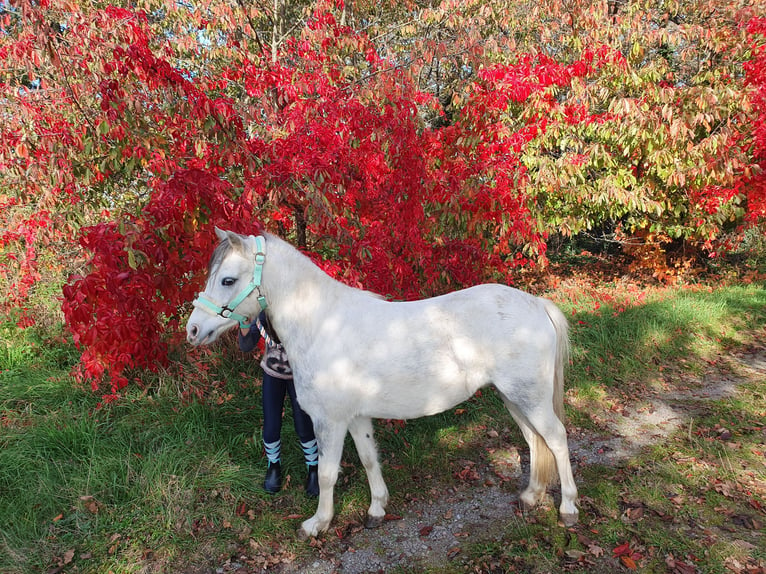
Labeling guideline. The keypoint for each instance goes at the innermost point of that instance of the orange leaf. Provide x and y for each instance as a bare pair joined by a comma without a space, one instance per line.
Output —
628,562
22,150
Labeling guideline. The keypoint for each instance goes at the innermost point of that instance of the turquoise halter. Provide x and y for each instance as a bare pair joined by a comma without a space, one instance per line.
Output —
228,311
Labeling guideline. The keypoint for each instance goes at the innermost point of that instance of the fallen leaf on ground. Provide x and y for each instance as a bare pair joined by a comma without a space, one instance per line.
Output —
574,555
628,562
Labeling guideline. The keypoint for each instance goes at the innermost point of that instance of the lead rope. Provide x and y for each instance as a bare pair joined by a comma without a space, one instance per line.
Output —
268,340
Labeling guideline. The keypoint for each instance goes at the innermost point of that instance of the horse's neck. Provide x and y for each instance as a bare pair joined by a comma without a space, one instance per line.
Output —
299,293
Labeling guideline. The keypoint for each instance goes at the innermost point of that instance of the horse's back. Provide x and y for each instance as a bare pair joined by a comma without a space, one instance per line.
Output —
484,311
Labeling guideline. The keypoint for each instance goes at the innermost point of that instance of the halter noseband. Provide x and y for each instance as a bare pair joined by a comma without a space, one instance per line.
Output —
228,311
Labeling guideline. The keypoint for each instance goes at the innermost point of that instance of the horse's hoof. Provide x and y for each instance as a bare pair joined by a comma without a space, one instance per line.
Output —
570,518
529,499
305,532
302,534
374,521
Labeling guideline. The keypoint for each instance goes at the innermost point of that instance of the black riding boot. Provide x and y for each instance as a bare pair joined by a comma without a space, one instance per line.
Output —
273,482
312,481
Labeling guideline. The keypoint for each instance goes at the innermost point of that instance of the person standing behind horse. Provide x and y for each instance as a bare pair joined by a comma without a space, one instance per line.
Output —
278,381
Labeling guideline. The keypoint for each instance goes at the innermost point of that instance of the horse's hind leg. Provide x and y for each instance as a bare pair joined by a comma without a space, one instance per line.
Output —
361,431
539,471
549,451
550,428
535,489
330,442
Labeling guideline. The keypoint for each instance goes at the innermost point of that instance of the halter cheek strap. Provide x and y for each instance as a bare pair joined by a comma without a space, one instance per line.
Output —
227,311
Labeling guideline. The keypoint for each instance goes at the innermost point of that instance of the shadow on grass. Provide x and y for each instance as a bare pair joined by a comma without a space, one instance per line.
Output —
675,329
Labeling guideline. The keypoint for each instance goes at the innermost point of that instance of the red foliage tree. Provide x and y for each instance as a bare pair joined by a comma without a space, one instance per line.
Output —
407,209
125,310
316,135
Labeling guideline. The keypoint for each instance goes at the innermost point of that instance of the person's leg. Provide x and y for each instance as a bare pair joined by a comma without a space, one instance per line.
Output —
273,395
305,431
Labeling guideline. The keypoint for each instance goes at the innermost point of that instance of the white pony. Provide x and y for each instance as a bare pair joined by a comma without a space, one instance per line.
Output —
356,356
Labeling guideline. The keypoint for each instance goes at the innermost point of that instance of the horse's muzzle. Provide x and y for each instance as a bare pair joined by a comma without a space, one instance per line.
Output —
192,334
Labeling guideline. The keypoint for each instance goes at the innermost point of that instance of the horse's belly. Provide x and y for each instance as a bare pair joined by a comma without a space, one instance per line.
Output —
427,394
409,410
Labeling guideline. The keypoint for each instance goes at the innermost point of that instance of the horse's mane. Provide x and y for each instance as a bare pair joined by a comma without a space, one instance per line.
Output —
225,247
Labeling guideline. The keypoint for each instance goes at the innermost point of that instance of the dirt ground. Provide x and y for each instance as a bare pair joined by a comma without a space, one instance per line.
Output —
429,532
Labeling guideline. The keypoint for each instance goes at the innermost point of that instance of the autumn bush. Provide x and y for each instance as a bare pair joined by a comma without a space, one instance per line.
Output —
410,150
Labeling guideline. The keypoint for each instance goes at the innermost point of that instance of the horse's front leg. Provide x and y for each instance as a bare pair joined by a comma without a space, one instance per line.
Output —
330,442
361,431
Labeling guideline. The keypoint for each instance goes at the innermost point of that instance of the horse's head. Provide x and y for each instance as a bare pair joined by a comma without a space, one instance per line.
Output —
232,292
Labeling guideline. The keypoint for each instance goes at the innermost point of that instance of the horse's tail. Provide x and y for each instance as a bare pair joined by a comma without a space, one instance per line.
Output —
546,464
561,325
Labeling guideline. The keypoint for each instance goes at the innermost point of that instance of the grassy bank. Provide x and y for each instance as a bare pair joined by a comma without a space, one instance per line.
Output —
167,479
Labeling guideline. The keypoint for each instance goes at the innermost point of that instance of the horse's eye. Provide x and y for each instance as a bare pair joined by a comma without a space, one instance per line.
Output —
228,281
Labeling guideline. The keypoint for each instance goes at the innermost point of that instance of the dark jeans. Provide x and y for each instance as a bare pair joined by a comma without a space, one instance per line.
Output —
274,391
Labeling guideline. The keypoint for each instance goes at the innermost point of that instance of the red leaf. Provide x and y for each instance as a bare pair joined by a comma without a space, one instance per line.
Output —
622,550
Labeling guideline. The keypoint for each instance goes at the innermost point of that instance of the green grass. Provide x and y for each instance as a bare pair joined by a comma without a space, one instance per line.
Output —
166,478
678,323
147,475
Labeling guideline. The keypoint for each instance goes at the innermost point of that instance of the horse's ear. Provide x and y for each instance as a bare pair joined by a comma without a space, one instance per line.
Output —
234,238
221,234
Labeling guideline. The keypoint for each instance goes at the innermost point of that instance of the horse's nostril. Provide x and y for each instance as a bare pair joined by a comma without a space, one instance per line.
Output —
194,330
